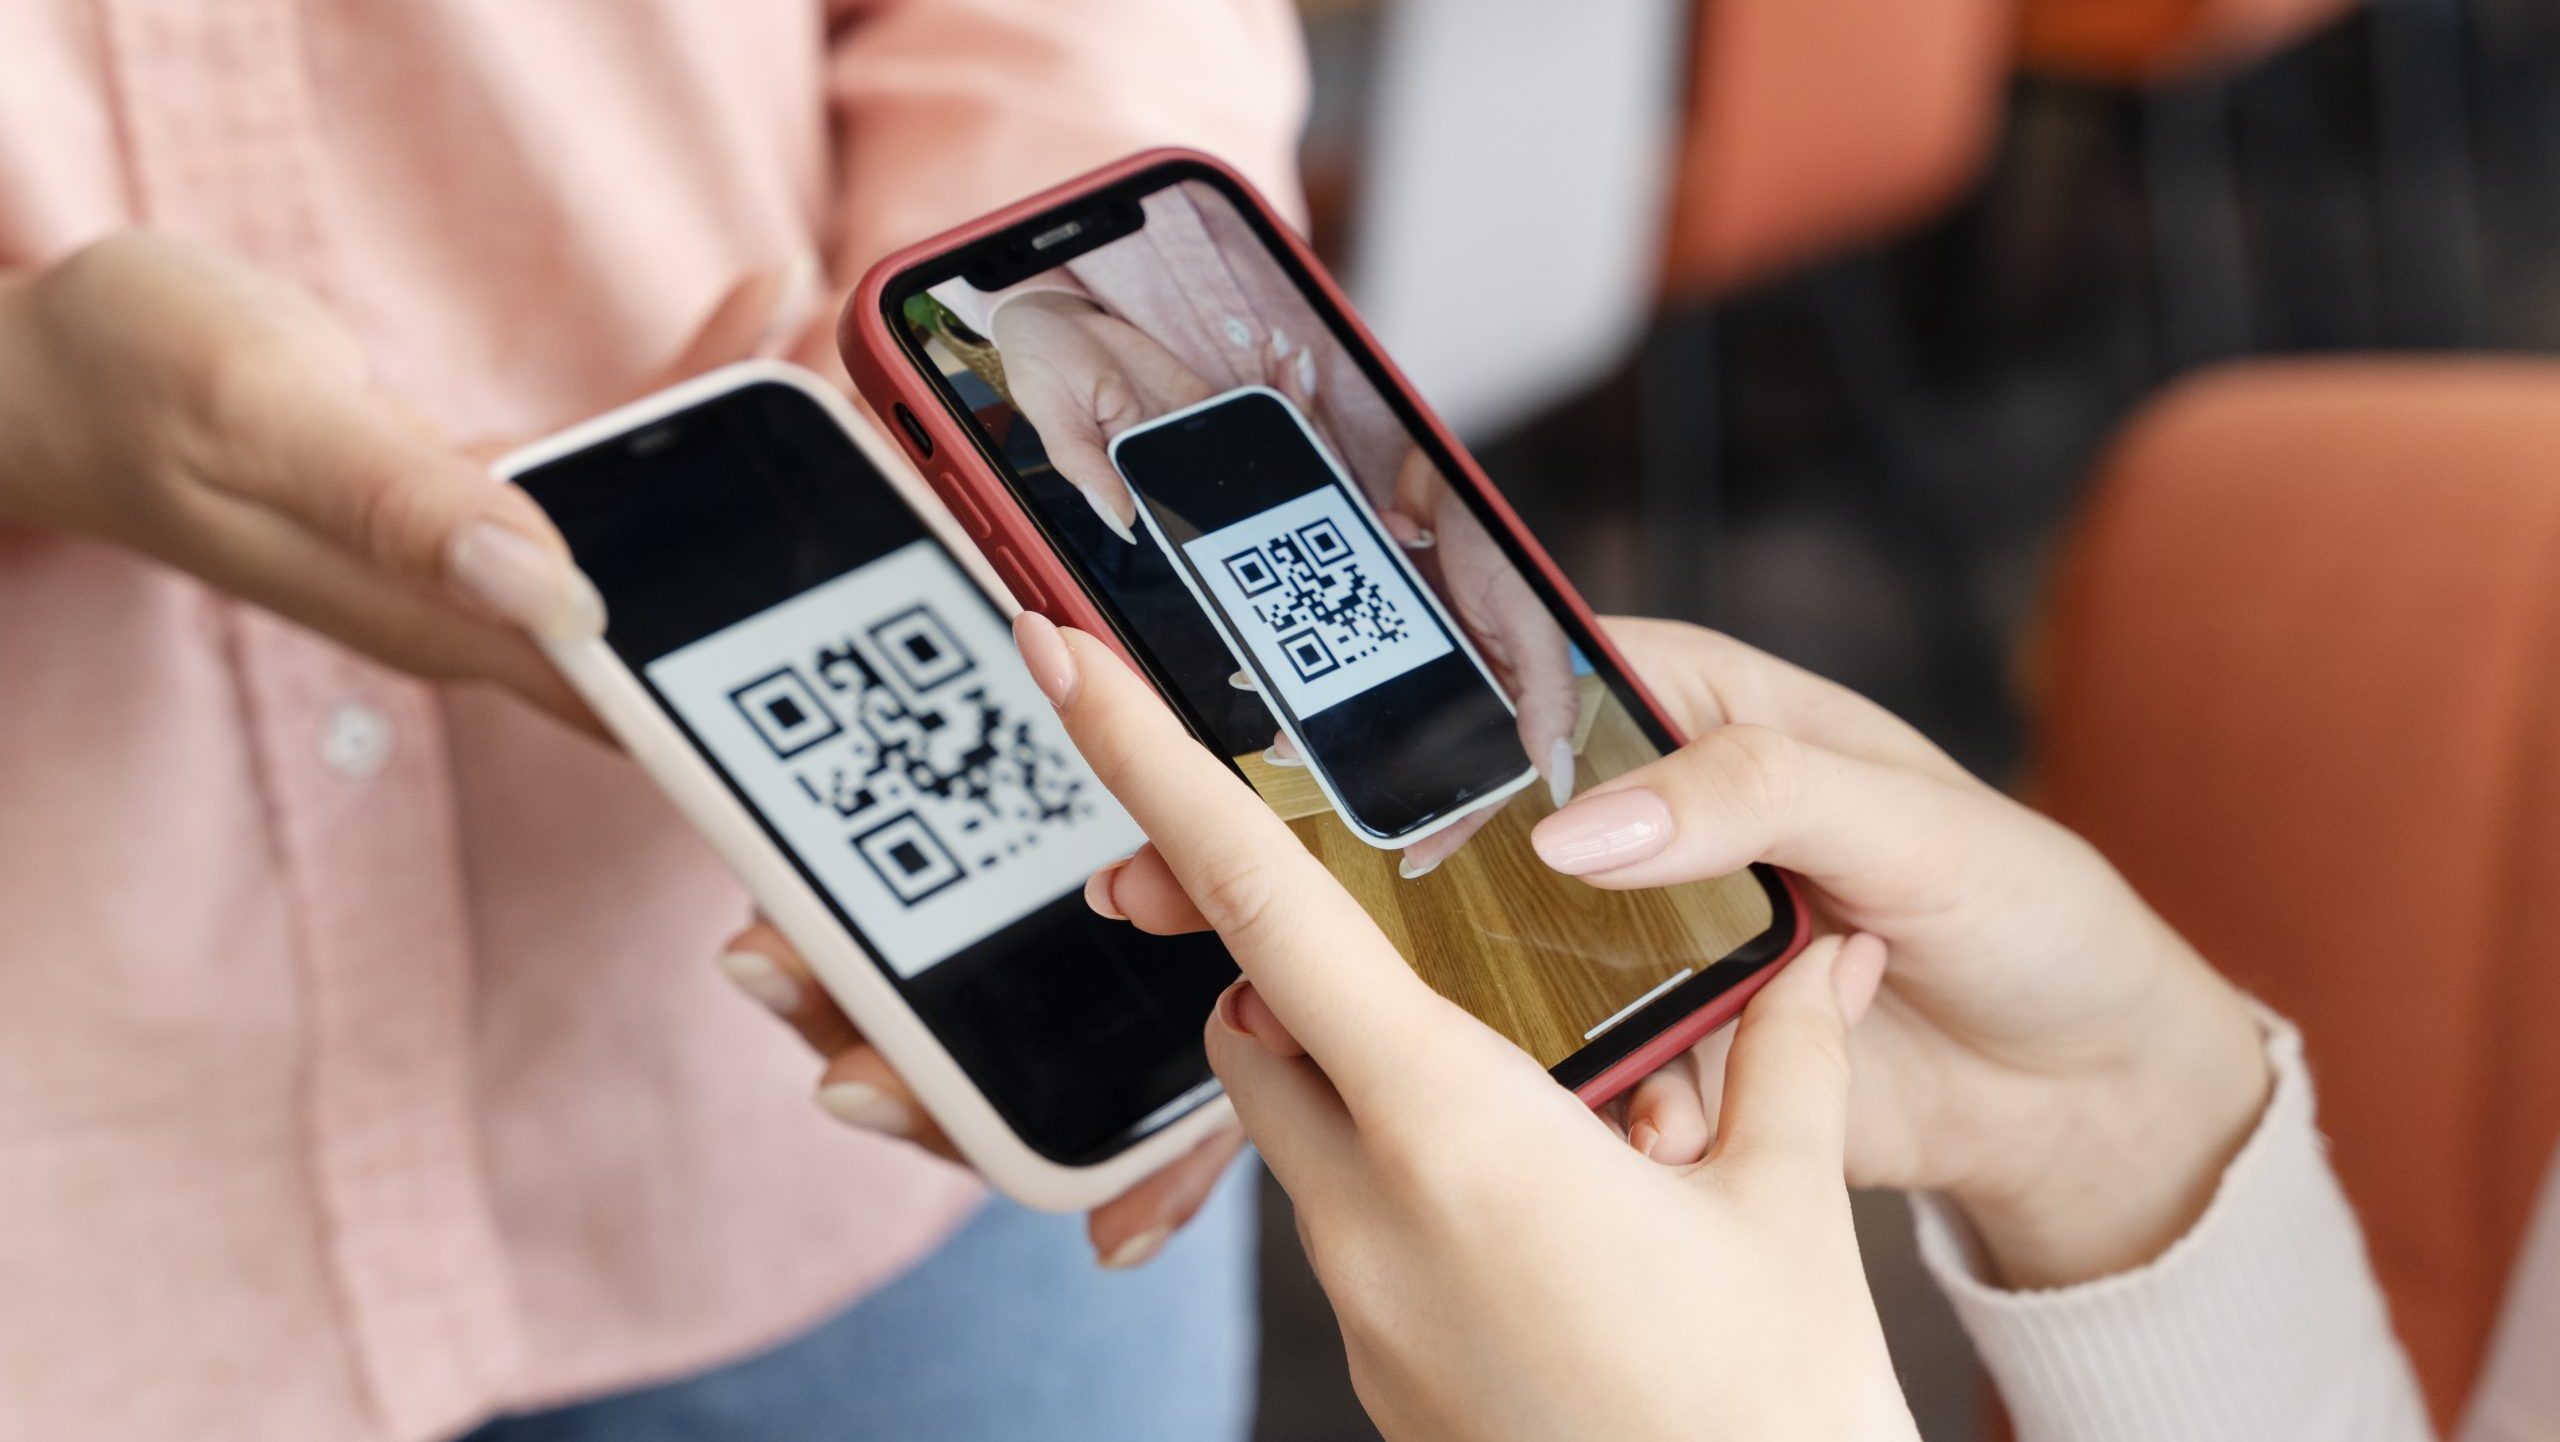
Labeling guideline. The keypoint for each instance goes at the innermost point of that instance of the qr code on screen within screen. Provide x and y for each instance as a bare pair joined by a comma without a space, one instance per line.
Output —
1313,592
1322,606
881,724
895,732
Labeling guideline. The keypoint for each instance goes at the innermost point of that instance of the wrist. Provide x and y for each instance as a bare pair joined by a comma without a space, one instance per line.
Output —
2133,1154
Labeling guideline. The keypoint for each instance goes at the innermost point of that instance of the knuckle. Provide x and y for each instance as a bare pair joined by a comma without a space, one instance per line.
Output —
1236,896
1756,770
240,386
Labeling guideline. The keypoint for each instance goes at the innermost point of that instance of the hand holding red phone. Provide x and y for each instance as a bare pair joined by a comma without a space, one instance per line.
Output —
2046,1050
1502,1264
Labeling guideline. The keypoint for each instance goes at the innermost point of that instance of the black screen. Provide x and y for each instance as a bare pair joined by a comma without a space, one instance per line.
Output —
926,780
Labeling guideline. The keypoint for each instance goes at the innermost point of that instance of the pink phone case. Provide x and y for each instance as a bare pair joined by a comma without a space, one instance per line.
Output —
977,496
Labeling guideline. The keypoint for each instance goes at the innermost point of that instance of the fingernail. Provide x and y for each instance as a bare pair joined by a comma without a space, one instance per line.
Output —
1230,1008
1644,1137
1044,651
1241,681
860,1104
1307,373
1097,893
796,298
1423,539
1856,975
1279,343
1602,833
525,582
1559,769
1138,1250
760,977
1109,516
1277,754
1410,870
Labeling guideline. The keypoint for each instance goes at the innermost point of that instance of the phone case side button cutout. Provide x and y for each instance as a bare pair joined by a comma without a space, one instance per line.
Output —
1017,578
955,498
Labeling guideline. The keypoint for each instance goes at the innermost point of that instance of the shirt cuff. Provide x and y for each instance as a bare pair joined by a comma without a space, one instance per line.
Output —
977,308
2263,1322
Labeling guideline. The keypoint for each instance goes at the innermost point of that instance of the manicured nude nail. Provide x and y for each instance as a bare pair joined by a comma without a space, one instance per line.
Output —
759,976
1097,893
1856,975
860,1104
1644,1137
1109,516
1242,681
1422,539
524,581
1044,651
1138,1250
1412,870
1559,769
1279,754
1307,373
1603,833
797,297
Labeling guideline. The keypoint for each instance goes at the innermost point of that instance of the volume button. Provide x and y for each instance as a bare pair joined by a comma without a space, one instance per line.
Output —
955,499
1017,578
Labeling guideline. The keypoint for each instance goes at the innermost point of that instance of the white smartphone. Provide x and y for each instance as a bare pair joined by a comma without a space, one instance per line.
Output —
810,659
1399,720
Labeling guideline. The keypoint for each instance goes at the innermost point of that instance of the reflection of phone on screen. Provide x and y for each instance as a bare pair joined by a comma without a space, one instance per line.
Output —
1247,410
1383,694
830,693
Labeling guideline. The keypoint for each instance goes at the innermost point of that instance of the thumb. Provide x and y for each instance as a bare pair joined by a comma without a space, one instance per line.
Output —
1786,1079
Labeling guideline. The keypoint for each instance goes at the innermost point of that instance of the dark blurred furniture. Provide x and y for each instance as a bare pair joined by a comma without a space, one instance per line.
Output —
1813,129
2306,693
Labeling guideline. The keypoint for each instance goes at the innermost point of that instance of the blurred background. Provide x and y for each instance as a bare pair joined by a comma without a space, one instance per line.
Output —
1813,320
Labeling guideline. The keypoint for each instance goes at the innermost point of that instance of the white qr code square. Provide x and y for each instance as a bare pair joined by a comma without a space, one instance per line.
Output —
1324,607
883,726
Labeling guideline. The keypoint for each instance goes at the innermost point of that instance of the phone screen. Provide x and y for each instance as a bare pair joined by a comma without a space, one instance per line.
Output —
1275,536
1379,692
860,695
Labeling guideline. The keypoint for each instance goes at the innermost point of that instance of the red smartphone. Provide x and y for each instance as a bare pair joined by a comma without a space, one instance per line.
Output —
1148,404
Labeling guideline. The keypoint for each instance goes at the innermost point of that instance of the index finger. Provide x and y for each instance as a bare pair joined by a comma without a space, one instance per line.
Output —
1312,953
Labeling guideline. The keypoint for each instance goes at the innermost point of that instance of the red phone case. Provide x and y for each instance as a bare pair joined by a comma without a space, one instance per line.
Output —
987,510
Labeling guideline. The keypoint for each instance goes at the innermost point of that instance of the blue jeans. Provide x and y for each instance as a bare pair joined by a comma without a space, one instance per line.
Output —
1009,1332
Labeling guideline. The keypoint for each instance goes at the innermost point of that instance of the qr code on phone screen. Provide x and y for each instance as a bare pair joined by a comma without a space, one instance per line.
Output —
1318,598
882,723
895,731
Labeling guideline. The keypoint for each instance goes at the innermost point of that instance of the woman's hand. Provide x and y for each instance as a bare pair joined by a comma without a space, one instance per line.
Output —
2045,1050
1502,1264
174,401
1511,627
860,1089
1081,376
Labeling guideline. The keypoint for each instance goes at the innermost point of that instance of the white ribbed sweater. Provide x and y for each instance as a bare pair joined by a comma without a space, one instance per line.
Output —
2263,1324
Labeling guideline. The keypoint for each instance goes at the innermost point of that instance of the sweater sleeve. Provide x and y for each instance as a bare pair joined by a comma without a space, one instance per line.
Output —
2263,1324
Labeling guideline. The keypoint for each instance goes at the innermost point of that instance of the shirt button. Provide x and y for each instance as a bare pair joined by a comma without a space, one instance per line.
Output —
356,742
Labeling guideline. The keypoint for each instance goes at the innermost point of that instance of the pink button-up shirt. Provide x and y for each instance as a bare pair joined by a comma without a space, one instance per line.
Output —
362,1068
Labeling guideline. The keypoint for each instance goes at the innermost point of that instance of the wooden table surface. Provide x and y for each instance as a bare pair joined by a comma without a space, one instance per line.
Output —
1540,957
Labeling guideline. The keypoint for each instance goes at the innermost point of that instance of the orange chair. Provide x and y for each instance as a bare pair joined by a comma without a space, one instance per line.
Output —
1816,124
2126,41
2306,693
